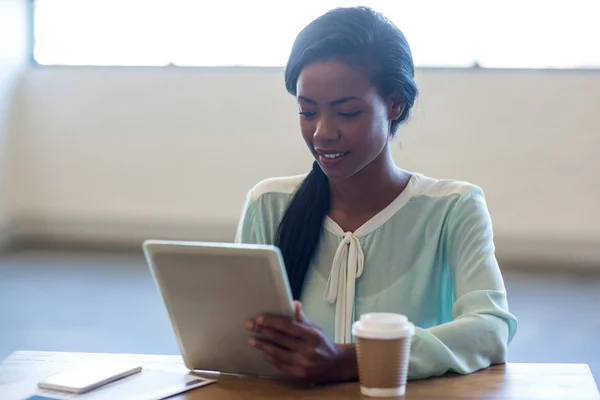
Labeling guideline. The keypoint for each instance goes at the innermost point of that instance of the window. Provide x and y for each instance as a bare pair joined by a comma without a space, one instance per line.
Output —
442,33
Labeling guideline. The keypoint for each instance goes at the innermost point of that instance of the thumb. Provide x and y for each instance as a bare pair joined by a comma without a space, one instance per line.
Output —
300,316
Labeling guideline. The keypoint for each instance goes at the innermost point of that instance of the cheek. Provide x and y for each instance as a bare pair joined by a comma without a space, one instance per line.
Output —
369,132
307,128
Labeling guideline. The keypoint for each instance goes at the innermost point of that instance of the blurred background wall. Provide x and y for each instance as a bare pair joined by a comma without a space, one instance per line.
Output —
125,154
117,155
13,54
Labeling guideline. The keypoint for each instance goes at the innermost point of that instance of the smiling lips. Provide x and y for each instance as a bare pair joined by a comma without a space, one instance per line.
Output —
331,157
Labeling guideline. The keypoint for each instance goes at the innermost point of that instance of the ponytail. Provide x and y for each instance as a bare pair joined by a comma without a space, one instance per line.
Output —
299,232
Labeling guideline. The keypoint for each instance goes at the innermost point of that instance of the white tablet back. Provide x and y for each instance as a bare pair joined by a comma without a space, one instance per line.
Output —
210,290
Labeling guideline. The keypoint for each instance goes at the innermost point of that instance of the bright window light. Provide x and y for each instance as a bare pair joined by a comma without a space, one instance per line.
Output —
442,33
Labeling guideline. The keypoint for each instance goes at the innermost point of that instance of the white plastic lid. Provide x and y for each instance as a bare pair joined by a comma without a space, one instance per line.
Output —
383,326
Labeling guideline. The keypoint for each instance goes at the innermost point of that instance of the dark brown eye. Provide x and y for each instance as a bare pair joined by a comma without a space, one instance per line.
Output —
307,114
350,115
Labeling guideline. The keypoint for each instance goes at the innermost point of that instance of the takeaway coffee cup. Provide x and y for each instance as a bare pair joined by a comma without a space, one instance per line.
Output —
383,350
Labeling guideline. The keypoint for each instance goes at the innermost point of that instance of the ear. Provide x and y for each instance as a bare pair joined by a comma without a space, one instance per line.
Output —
396,106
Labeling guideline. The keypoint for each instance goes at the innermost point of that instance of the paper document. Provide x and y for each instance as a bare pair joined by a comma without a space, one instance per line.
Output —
146,385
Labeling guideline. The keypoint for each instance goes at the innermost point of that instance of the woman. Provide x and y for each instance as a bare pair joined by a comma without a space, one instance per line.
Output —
358,234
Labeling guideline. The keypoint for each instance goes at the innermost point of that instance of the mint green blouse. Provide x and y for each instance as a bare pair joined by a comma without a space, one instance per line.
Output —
428,255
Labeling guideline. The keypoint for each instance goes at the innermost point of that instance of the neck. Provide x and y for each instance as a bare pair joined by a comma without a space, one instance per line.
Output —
372,188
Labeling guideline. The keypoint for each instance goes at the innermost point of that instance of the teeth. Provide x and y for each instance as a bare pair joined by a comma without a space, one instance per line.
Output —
333,155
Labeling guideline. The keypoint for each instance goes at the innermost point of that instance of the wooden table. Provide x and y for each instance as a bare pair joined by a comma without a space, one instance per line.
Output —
20,372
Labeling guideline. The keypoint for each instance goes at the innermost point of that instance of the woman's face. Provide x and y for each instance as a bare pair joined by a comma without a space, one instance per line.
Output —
343,118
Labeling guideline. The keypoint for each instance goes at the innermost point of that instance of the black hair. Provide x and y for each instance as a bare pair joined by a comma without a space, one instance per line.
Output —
365,39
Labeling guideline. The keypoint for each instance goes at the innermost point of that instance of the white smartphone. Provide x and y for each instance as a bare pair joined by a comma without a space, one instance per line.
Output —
88,378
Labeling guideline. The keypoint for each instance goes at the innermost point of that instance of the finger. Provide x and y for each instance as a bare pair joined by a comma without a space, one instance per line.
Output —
282,324
286,341
270,359
298,311
288,326
302,353
290,369
278,354
300,316
282,338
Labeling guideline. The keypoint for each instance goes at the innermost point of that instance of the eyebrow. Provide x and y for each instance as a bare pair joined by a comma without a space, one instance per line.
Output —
334,102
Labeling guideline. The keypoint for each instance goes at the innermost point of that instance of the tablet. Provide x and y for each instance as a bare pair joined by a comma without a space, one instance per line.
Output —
210,290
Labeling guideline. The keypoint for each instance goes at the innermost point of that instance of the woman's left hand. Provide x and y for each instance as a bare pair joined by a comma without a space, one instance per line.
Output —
302,348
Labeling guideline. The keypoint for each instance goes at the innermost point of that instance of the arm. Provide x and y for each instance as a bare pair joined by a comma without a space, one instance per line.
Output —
482,327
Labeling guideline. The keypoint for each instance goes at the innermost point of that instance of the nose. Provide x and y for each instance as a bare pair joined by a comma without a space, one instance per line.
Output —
326,130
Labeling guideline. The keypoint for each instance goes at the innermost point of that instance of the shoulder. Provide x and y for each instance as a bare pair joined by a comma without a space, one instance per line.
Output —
449,189
265,205
285,186
450,197
460,204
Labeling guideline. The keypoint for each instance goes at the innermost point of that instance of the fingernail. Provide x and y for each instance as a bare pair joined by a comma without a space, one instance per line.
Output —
260,319
252,341
249,325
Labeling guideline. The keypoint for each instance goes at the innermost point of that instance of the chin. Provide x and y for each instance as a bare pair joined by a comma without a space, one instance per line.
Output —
336,172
